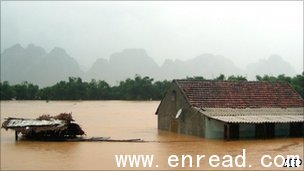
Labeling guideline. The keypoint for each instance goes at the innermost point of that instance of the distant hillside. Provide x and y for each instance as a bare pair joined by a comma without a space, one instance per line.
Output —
125,64
136,61
16,61
207,65
274,65
35,65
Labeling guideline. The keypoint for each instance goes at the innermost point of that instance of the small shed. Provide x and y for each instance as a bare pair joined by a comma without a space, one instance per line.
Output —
44,127
232,109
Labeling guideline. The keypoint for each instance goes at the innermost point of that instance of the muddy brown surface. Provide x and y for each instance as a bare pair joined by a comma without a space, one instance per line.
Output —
123,120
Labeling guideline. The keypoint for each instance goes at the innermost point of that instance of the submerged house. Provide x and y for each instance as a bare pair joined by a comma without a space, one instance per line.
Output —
232,109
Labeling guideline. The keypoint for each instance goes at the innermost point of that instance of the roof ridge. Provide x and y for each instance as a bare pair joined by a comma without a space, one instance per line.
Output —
245,81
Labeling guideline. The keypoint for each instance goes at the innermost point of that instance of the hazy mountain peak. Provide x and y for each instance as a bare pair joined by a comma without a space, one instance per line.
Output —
16,46
100,62
131,55
33,64
31,45
15,49
274,65
167,62
58,51
34,50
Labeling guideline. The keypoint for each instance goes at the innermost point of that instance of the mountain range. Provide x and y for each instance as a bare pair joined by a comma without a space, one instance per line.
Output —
35,65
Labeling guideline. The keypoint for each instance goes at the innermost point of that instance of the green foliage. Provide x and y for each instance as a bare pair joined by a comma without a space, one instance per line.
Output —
138,88
141,88
237,78
221,77
195,78
25,91
98,90
6,91
298,84
160,88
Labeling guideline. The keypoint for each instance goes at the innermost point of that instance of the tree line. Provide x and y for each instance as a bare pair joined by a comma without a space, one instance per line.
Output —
138,88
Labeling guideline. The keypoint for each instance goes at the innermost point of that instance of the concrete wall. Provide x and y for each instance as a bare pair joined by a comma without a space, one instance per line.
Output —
193,123
168,108
190,122
214,129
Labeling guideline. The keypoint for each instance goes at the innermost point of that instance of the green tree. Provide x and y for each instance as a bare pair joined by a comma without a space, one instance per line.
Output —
46,93
26,91
266,78
6,91
221,77
195,78
76,89
237,78
98,90
160,88
298,84
136,89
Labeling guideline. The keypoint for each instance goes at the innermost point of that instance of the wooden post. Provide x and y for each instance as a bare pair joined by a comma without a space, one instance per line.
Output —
16,135
227,132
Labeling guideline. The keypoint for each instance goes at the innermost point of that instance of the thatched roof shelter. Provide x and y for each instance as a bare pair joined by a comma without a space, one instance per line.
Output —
45,126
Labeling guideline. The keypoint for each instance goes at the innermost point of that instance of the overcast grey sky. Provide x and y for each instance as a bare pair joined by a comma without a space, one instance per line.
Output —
241,31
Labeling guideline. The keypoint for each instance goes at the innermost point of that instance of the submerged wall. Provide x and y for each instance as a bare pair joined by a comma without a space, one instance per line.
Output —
173,101
214,129
190,121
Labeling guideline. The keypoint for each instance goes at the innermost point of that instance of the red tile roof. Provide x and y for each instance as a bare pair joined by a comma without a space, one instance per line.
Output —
240,94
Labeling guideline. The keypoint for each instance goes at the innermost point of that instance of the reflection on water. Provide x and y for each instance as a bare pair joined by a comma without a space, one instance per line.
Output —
120,120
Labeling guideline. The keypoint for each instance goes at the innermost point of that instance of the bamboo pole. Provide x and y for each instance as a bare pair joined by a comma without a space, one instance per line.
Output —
16,135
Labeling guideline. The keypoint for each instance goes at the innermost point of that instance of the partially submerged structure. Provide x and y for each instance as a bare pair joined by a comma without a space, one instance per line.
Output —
61,126
232,109
54,128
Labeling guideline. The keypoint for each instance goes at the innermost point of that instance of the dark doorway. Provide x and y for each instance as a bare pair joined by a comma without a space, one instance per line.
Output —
296,129
231,131
259,131
265,130
270,130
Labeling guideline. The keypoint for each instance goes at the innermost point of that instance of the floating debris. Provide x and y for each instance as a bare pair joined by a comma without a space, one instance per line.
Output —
105,139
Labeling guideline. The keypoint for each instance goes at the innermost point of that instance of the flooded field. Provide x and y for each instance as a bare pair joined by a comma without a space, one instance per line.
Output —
125,120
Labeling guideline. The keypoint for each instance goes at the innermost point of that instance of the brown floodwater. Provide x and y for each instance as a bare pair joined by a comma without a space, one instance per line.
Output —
124,120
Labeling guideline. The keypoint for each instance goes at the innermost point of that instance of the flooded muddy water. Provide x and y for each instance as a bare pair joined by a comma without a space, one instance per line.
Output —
126,120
